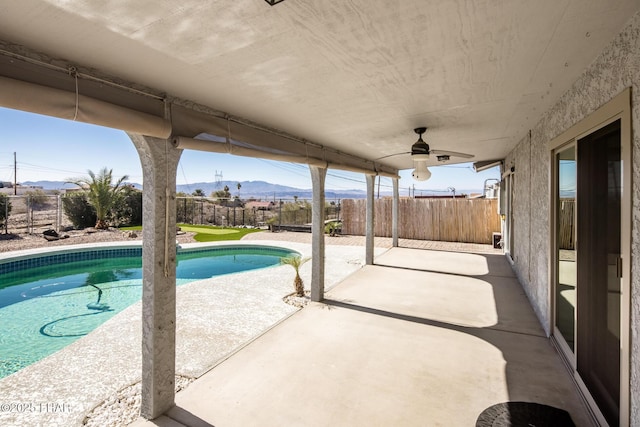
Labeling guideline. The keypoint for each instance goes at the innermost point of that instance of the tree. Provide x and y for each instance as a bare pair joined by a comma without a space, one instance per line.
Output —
239,186
101,193
296,262
198,193
222,194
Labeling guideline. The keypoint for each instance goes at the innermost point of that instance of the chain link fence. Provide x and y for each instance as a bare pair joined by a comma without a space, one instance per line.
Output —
233,213
32,214
35,213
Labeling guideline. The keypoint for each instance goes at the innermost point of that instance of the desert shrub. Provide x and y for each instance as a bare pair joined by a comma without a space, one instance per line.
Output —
78,210
128,209
5,208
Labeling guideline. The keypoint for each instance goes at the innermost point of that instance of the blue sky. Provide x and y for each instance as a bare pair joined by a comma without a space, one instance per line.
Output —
54,149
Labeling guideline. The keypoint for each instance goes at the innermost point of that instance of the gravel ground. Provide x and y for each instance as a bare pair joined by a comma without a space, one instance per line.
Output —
18,242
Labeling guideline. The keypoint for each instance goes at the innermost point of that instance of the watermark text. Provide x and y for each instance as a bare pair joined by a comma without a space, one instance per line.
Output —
39,407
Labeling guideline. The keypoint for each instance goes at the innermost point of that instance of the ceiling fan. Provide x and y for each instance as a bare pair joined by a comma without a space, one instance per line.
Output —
421,152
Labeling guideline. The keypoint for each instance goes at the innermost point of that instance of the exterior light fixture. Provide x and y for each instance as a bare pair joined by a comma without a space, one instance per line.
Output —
421,172
273,2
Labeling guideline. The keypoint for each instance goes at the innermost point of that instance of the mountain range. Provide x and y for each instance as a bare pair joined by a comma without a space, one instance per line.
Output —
261,190
248,189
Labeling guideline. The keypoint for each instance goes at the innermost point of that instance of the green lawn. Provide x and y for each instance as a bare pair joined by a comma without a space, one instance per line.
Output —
207,233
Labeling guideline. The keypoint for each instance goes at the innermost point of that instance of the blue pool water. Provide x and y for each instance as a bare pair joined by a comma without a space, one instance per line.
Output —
47,302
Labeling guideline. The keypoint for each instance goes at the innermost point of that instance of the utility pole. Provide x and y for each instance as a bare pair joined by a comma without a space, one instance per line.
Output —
15,175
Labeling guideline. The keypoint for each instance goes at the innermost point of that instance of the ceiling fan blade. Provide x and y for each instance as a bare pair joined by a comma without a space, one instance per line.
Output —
393,155
452,154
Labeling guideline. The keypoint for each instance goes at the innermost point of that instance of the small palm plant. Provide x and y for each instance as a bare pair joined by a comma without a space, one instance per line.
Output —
296,262
101,193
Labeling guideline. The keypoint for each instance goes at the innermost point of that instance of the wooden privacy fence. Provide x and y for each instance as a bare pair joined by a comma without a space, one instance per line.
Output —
566,215
449,220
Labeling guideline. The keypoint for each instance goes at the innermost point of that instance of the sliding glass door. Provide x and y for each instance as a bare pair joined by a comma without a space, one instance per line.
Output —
588,262
598,260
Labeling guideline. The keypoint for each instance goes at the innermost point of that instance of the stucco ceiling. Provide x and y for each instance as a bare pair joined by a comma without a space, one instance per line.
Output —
354,75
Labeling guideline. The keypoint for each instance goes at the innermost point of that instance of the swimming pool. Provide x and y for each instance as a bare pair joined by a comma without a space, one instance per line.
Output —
50,300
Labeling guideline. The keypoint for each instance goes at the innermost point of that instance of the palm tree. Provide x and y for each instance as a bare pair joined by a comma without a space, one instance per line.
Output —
296,262
101,194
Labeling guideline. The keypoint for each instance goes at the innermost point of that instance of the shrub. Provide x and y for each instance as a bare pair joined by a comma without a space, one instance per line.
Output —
5,208
77,208
128,209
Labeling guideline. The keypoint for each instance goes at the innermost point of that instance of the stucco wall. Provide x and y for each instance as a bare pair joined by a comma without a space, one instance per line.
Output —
617,68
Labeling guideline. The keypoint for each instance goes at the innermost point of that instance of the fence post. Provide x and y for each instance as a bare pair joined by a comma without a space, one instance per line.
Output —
6,215
58,214
29,216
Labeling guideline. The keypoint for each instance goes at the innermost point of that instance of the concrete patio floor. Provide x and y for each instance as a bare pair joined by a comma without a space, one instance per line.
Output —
421,338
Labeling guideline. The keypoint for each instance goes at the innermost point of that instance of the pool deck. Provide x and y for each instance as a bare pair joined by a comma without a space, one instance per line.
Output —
432,334
215,317
422,337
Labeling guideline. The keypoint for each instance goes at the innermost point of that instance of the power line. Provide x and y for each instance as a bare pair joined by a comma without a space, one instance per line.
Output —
185,177
46,168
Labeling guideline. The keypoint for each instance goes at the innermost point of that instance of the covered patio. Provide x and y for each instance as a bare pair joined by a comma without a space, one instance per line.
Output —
422,337
343,85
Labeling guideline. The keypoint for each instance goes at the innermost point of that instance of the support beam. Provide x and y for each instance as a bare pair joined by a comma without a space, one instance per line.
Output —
159,163
369,243
395,213
318,176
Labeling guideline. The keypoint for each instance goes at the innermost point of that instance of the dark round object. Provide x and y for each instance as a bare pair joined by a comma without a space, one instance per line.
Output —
523,414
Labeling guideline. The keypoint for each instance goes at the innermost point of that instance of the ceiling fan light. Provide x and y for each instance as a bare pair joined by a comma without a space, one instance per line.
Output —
421,172
420,157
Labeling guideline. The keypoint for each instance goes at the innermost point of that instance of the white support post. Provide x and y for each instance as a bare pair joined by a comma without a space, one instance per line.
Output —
395,213
159,164
370,216
318,176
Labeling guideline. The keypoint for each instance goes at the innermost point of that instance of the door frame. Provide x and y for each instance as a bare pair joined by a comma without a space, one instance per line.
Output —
559,340
619,108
